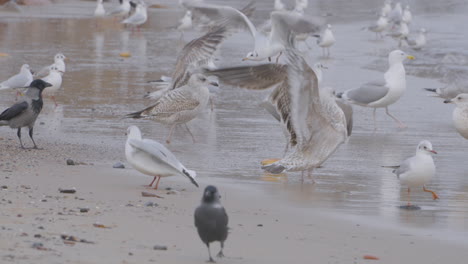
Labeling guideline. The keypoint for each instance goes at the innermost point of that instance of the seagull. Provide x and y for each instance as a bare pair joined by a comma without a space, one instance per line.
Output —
326,40
406,16
211,220
197,53
99,11
451,90
139,17
386,8
20,80
396,14
316,125
419,41
400,33
379,26
55,79
24,113
151,158
265,47
59,62
460,114
382,93
122,10
185,23
180,105
418,170
299,7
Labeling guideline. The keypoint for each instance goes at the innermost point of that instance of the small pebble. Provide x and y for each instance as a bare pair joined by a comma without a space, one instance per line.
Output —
4,187
119,165
260,225
37,236
157,247
67,190
70,162
84,210
37,245
151,204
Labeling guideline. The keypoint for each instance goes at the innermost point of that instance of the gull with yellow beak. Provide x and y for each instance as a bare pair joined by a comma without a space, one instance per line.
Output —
382,93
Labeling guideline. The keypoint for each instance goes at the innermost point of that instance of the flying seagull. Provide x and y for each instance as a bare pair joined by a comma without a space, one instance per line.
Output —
211,220
24,113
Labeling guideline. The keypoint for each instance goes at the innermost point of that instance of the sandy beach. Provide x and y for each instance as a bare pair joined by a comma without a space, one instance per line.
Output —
350,215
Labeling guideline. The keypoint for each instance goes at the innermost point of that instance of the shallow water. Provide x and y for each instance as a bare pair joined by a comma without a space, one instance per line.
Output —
100,87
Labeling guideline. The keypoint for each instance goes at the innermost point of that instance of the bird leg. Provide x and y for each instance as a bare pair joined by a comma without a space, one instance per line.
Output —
31,136
269,59
157,182
152,181
277,58
220,253
19,136
409,197
168,140
55,102
375,121
400,124
211,104
209,254
434,195
186,127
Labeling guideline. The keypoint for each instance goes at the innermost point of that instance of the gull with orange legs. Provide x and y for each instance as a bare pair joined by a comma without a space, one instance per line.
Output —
152,158
417,171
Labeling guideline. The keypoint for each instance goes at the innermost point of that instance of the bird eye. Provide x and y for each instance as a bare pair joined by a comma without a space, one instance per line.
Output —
202,79
425,147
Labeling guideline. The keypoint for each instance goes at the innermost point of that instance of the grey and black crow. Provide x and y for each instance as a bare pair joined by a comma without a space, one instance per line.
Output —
24,113
211,220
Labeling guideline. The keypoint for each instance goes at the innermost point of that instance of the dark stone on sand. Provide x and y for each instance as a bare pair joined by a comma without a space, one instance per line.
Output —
84,210
260,225
37,236
37,245
70,162
118,165
67,190
158,247
410,207
4,187
151,204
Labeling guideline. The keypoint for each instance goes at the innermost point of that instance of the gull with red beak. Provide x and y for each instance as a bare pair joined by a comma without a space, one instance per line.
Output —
418,170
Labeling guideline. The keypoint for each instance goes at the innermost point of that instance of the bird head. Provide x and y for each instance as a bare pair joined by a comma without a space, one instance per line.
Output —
398,56
425,147
461,99
210,194
40,84
59,57
251,56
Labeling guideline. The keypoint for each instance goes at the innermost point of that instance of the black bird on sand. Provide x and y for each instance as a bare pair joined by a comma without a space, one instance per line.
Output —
24,113
211,220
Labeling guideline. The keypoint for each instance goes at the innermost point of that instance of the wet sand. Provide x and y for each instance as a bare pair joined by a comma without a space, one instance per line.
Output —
352,210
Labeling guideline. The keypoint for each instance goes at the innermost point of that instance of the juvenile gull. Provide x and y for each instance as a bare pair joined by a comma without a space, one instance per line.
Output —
151,158
55,79
418,170
381,94
59,62
316,125
460,113
19,80
180,105
211,220
325,40
197,53
24,113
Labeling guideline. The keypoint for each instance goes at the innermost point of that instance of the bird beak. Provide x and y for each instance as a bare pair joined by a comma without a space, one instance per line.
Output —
32,72
410,57
433,151
62,72
214,84
48,84
324,67
66,59
244,59
448,101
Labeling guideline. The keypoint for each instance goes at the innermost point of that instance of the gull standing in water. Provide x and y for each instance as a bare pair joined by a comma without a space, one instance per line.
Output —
123,9
99,11
59,62
326,40
379,26
139,17
55,79
460,114
179,106
19,80
382,93
418,170
151,158
419,41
